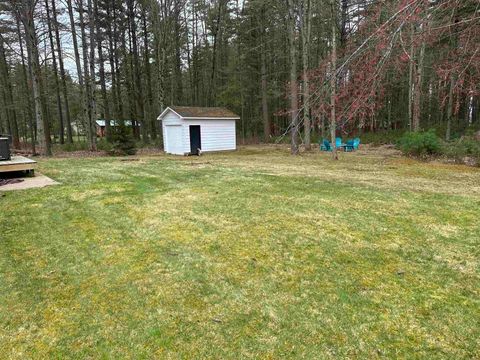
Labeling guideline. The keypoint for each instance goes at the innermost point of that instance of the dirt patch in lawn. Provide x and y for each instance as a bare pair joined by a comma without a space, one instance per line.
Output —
37,181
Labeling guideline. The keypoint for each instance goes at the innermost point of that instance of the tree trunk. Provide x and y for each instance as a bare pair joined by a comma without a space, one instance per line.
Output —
26,88
149,98
215,34
178,93
130,76
55,74
138,89
9,103
263,59
89,102
345,22
293,79
68,120
92,108
410,80
189,57
306,30
418,88
4,123
78,64
333,85
86,74
111,58
106,105
194,70
160,58
45,89
75,44
43,129
115,54
450,107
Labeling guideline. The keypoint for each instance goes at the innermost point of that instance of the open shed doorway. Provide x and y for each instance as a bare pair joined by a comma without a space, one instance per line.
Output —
195,139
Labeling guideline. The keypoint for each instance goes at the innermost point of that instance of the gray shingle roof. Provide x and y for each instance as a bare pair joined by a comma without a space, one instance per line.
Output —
204,112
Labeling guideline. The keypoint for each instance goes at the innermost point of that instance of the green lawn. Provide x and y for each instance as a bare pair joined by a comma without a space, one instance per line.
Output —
251,254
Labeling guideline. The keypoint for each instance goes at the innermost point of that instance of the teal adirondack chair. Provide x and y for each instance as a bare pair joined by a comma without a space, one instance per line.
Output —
325,145
356,143
338,142
350,146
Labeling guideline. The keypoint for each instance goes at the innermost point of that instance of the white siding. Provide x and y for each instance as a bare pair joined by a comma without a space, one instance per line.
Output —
171,118
175,144
173,139
216,135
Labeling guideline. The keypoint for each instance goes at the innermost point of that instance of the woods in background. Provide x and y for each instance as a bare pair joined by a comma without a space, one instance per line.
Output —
292,67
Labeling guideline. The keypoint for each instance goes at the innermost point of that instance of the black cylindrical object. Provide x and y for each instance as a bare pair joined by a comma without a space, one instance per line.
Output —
4,149
9,137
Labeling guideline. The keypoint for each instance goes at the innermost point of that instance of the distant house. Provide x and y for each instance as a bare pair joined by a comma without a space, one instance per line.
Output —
189,130
100,125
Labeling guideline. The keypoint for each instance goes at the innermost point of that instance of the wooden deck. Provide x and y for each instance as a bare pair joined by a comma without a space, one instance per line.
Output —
17,163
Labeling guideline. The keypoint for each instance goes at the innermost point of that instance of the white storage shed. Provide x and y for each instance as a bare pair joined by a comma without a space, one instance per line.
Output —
188,130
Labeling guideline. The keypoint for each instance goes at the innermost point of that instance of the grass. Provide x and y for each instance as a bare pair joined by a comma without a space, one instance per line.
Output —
251,254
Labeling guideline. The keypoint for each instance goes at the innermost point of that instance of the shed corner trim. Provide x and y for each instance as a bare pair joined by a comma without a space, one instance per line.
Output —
167,109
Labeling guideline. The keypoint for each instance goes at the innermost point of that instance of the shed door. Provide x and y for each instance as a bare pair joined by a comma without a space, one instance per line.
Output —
195,139
174,139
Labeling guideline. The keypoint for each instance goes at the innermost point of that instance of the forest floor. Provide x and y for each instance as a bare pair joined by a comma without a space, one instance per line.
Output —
248,254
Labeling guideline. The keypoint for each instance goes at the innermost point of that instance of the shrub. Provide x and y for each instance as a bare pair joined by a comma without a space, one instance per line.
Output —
123,142
420,143
381,137
67,147
461,148
103,144
158,142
